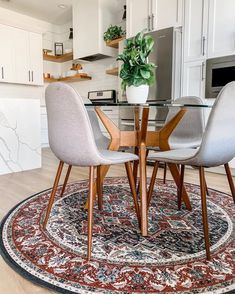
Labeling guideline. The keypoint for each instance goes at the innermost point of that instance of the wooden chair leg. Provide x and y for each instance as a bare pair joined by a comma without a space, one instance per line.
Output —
99,185
66,180
90,211
230,180
204,212
53,193
180,190
151,185
164,175
133,188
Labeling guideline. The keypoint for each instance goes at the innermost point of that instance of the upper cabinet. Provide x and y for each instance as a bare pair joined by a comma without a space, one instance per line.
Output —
195,29
6,55
221,32
35,58
91,18
138,17
166,13
151,15
20,56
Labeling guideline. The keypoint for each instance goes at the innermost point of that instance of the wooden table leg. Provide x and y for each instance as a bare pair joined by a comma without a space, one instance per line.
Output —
164,135
176,176
114,145
143,175
136,151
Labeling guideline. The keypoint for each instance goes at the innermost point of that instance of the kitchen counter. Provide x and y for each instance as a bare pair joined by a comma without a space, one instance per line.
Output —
20,142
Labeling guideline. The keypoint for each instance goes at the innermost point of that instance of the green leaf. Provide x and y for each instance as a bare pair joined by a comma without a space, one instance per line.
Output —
135,69
145,74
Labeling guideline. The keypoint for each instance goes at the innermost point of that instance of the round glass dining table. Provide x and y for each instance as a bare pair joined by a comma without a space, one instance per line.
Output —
141,126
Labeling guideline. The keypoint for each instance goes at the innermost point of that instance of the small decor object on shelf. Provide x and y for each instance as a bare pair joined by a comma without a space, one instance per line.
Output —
71,34
59,49
46,51
124,13
113,32
136,73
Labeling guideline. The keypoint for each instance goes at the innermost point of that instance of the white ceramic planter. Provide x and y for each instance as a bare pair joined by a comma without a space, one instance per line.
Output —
137,95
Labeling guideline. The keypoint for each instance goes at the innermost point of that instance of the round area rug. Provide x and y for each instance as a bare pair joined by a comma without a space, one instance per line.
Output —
170,260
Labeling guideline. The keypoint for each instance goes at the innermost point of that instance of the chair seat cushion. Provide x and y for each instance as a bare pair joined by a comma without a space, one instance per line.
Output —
115,157
179,145
174,156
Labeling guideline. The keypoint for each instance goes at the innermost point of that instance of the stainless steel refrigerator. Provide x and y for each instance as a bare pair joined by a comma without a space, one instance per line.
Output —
167,55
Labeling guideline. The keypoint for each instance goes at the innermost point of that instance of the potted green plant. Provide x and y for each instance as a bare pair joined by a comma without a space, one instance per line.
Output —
113,32
136,72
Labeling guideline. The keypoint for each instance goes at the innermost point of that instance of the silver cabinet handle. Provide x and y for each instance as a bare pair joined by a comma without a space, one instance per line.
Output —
152,22
149,23
32,75
2,72
29,77
203,45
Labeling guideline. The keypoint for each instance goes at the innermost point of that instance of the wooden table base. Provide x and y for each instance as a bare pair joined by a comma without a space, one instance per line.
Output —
140,139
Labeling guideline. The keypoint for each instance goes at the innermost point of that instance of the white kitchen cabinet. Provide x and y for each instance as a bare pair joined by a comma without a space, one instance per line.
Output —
21,47
21,59
195,30
29,63
151,15
138,17
36,58
166,13
194,78
221,31
6,54
91,18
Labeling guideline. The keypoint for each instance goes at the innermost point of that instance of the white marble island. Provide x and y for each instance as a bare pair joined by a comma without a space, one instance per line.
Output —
20,142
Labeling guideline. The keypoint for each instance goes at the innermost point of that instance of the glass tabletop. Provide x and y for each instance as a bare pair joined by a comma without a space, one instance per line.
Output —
159,103
123,114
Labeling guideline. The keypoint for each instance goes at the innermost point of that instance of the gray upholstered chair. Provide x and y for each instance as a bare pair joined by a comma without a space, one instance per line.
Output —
217,148
101,141
189,131
72,140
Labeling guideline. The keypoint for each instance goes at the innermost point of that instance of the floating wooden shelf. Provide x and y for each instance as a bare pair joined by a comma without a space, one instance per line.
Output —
114,43
60,59
50,80
113,71
76,78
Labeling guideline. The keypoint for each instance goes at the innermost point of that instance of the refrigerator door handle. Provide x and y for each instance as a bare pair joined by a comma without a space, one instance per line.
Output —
203,71
203,45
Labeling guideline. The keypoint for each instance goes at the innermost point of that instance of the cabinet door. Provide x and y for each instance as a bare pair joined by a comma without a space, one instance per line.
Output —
6,54
36,59
138,16
195,29
221,32
194,79
166,13
21,48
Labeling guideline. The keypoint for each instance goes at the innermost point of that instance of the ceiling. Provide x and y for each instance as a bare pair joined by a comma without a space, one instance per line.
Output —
46,10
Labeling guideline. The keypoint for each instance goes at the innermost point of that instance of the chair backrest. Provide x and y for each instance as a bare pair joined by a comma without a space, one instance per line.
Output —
218,142
101,141
70,133
190,129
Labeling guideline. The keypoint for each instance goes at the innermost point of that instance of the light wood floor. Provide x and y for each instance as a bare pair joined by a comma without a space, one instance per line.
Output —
18,186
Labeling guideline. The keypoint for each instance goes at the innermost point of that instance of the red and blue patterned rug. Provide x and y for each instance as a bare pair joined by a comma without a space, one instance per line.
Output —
170,260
